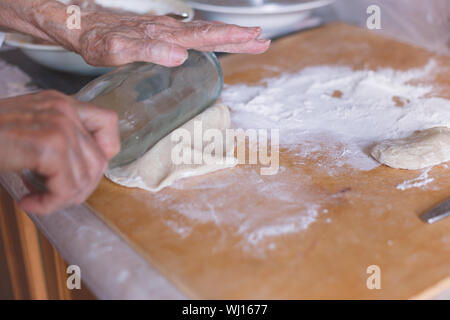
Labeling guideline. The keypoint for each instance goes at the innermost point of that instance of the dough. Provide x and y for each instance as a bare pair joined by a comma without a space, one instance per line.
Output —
420,150
156,170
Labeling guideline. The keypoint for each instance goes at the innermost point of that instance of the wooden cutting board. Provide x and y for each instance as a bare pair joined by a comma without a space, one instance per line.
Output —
226,234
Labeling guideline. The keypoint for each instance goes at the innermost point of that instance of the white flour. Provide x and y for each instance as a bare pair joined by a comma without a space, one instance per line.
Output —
13,81
356,107
353,108
279,210
418,182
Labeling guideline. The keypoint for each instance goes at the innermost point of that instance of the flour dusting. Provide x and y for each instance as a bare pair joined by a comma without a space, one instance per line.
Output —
418,182
13,82
280,211
357,107
330,110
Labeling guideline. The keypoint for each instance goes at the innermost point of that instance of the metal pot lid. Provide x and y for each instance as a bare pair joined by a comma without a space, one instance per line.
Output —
257,6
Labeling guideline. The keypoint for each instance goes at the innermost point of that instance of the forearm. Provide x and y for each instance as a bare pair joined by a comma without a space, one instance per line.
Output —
45,19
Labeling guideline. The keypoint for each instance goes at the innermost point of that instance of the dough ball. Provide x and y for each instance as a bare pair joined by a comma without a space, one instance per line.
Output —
420,150
156,170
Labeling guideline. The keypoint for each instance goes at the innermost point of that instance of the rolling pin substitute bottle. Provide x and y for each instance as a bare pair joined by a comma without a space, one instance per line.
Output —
152,100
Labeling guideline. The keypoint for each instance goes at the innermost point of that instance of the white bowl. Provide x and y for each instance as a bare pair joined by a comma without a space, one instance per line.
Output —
52,56
58,58
274,17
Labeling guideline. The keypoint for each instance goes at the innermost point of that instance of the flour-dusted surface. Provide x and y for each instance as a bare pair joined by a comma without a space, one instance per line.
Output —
282,211
311,230
357,108
421,181
327,110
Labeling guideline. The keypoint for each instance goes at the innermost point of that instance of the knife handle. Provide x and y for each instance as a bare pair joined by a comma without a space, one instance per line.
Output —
35,180
438,213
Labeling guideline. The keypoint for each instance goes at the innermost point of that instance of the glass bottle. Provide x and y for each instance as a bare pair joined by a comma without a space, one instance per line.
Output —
152,100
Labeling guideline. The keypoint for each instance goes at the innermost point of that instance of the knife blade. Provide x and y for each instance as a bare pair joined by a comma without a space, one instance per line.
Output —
438,213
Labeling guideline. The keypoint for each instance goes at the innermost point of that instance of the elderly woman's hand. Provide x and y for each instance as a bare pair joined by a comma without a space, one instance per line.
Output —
110,39
67,141
107,38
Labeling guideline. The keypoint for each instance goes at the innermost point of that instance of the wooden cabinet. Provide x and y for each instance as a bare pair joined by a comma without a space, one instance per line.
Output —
30,267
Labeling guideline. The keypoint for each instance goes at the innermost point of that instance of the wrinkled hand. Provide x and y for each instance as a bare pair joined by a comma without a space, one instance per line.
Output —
109,39
66,141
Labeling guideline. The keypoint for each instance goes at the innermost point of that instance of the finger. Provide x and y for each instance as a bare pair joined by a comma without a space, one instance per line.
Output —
104,127
61,188
71,176
159,20
211,34
159,52
41,203
96,164
62,135
51,100
127,50
253,47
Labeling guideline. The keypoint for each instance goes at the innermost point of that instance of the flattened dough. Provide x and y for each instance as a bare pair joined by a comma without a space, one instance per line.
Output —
420,150
156,170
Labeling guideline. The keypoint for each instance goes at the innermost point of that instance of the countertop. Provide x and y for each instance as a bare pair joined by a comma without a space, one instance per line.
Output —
109,266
